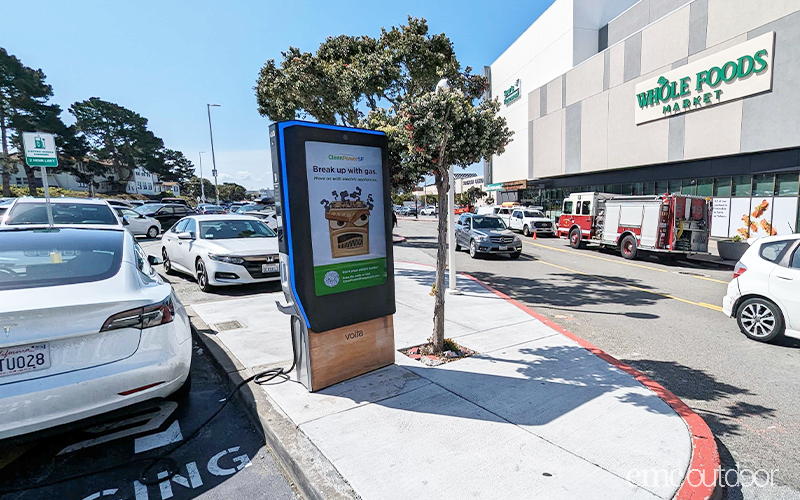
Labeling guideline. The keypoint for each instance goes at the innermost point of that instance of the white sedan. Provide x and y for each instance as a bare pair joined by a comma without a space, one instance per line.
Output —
88,327
219,250
764,295
139,224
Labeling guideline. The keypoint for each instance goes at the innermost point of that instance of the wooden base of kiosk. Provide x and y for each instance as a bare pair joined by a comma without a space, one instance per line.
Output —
347,352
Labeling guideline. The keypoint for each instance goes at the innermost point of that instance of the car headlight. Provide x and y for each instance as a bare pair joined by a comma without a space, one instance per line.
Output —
226,258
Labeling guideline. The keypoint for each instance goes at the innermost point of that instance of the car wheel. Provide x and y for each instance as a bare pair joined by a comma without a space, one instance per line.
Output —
628,247
167,263
473,249
202,276
515,255
152,232
575,238
526,230
760,319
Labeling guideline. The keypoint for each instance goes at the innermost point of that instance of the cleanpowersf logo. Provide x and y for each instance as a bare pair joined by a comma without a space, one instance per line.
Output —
345,158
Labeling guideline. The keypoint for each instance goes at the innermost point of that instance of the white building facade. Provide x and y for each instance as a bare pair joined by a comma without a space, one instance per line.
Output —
696,97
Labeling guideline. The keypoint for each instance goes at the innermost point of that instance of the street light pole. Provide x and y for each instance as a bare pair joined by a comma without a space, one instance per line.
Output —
202,187
213,158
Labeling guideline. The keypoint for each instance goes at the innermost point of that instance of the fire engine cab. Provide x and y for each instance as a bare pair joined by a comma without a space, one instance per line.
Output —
666,224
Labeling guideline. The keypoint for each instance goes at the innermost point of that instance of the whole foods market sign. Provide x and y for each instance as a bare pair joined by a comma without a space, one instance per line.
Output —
739,71
512,93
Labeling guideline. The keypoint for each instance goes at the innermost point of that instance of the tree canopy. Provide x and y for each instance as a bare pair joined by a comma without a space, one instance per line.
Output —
118,135
390,83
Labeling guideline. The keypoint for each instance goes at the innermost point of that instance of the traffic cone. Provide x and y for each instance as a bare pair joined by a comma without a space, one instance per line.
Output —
534,235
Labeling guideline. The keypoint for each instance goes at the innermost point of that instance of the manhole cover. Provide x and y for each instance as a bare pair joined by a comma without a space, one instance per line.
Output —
228,325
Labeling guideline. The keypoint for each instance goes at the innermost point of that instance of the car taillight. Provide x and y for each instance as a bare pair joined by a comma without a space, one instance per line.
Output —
739,270
142,317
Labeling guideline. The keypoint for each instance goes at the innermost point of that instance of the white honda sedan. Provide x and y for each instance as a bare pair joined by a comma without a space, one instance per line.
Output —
764,295
219,250
87,327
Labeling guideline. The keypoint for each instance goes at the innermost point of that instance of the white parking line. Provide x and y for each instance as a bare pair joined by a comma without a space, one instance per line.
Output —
159,439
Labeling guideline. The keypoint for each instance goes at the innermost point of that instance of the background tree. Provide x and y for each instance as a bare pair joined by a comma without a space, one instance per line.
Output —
191,188
471,195
230,191
118,135
394,79
173,166
24,107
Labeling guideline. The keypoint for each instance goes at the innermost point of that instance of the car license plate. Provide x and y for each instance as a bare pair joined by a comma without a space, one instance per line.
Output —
270,268
503,247
24,358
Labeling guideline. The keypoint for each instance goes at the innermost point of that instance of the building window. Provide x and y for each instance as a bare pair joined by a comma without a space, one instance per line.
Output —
662,187
689,187
627,189
649,188
742,186
763,185
705,187
674,187
722,186
614,188
787,184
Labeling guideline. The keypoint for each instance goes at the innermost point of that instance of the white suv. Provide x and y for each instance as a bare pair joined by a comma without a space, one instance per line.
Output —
764,295
531,221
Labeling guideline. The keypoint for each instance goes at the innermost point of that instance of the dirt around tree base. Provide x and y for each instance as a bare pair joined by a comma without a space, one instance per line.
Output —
451,352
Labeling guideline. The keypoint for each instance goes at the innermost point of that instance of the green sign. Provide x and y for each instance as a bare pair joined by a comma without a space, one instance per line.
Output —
497,186
512,93
40,149
335,278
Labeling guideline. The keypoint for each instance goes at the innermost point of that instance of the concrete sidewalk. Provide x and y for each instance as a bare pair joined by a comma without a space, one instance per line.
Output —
534,415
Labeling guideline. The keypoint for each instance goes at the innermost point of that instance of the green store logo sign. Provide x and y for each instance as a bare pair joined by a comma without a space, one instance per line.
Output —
512,93
671,95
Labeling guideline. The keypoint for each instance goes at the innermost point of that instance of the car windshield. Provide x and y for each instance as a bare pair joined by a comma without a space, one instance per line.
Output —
149,208
50,257
213,208
63,213
127,212
234,229
487,223
250,208
533,213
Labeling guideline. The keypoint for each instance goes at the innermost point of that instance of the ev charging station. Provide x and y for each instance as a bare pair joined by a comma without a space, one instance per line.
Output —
333,196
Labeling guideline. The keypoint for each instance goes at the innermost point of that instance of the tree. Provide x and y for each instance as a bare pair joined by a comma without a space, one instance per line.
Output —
174,166
471,195
24,107
230,191
119,136
394,77
191,188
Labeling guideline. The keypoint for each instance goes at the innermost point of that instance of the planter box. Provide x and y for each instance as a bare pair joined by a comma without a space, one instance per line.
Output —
732,250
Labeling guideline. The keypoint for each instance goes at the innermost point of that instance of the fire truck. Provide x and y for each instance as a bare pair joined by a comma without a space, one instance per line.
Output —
666,224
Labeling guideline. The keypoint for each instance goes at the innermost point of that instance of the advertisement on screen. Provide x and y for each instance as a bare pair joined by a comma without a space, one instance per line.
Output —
345,197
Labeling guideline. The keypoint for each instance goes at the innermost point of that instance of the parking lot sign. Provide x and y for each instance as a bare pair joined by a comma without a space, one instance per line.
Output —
40,149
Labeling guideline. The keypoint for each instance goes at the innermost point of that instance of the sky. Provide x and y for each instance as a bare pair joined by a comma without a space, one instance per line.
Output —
167,59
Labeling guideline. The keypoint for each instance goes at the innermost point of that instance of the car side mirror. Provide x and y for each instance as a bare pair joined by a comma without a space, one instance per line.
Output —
186,236
141,216
125,221
154,260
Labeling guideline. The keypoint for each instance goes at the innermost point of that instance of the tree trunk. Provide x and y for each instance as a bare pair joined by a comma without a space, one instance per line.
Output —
31,180
437,339
5,164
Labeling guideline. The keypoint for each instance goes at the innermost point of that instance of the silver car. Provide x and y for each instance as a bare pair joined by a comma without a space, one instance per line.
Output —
139,224
485,234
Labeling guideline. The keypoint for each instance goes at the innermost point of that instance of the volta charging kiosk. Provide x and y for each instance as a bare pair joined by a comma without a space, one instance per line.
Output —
333,196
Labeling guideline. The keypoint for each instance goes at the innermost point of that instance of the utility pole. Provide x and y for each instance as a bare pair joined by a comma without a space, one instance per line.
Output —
213,158
202,184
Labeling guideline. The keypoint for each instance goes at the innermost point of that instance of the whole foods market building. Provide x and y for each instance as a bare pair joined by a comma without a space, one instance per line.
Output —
684,97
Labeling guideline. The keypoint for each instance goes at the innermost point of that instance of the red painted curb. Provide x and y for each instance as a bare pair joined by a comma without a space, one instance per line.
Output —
705,461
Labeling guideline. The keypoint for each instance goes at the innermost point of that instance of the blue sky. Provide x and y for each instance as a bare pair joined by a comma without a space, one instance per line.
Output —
167,59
